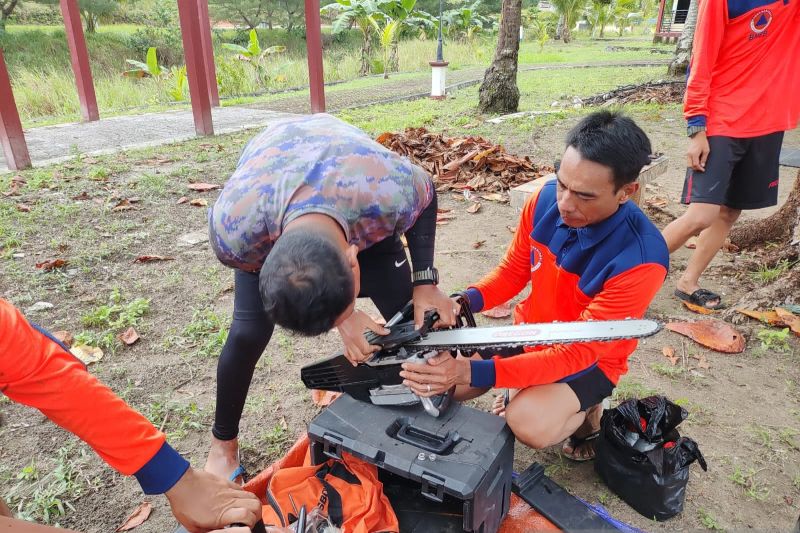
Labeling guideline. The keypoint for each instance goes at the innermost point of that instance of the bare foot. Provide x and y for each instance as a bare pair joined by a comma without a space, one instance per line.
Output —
223,458
499,405
581,445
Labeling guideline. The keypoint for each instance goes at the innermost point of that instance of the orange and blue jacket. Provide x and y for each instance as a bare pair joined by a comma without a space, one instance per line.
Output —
744,76
38,371
610,270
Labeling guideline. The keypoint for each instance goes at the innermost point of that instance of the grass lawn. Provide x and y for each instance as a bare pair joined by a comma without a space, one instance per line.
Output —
38,55
745,409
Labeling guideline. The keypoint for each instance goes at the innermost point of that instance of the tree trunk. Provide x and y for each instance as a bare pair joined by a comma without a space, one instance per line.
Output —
602,30
559,27
499,92
5,12
683,52
566,34
366,52
782,227
394,58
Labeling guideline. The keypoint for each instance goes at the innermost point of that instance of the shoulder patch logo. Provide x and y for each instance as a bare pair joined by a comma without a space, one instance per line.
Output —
761,21
536,259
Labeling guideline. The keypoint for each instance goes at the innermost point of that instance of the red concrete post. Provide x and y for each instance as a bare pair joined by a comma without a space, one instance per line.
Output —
208,51
80,59
316,80
661,6
195,66
11,136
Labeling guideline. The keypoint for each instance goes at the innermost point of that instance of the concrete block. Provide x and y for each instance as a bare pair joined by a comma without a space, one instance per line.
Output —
521,193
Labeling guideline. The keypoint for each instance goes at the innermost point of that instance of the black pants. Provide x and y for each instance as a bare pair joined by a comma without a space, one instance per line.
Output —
385,278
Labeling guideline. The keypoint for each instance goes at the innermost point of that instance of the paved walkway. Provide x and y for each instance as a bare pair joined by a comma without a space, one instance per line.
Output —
52,144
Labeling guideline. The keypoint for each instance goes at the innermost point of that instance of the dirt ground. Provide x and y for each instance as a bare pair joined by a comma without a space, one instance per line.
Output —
745,409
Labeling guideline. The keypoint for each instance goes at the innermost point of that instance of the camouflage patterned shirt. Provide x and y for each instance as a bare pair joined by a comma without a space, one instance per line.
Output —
314,164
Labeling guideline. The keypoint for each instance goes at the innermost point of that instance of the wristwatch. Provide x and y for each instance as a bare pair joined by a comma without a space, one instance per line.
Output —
429,276
691,131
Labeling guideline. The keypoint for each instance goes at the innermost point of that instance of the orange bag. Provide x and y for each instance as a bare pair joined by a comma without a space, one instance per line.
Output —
347,492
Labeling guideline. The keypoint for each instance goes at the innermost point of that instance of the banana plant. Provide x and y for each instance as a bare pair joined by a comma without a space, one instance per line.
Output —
253,52
150,68
178,91
388,34
360,13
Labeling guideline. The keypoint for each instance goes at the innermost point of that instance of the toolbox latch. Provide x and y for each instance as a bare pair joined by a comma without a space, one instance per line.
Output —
432,487
332,446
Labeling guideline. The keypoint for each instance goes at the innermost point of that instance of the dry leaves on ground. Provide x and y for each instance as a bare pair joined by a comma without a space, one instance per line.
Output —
203,187
652,92
669,353
123,205
87,354
24,208
779,317
711,333
459,163
129,336
199,202
51,264
700,309
323,398
17,182
152,258
790,319
64,337
443,218
478,244
501,311
182,200
136,518
474,208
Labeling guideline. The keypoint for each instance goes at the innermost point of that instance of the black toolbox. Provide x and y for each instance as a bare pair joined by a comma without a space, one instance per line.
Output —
463,457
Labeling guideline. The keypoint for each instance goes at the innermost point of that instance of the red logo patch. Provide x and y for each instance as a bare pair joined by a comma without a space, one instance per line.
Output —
773,184
761,21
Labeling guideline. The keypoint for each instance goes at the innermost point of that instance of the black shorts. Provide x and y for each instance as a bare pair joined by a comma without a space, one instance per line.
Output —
591,386
740,173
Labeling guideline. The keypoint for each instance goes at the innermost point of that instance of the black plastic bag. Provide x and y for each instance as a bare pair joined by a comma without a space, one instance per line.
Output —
642,457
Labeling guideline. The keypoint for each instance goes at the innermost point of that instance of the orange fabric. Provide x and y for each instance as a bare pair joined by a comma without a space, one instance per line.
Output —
556,296
294,457
521,518
36,371
364,506
744,75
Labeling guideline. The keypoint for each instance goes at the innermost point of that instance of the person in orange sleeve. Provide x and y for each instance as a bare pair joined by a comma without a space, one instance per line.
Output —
742,94
588,254
38,371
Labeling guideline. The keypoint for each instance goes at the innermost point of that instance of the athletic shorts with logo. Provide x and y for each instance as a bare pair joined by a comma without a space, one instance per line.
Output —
741,173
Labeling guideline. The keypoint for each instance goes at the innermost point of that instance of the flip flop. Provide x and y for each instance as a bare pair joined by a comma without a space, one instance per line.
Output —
574,442
701,297
240,471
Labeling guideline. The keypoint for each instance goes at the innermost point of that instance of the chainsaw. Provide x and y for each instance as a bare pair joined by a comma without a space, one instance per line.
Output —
378,379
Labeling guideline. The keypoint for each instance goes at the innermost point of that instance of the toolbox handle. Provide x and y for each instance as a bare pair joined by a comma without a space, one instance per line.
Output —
426,440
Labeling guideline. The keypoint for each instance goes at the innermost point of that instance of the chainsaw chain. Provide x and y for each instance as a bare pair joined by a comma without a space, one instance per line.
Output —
413,349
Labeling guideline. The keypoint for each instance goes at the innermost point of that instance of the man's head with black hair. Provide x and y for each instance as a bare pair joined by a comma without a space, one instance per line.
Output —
604,155
307,282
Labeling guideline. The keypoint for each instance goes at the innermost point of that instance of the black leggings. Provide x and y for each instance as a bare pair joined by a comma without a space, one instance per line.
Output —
385,278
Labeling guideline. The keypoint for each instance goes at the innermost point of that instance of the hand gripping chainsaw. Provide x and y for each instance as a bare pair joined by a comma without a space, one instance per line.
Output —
378,379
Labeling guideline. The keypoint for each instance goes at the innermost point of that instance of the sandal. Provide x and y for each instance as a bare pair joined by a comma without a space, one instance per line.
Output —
240,471
701,297
576,442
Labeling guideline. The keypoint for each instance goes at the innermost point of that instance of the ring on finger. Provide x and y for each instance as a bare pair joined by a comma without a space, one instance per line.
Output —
429,387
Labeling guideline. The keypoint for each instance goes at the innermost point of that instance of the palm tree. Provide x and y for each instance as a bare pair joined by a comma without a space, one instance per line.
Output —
601,15
499,92
683,52
569,11
395,16
360,13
